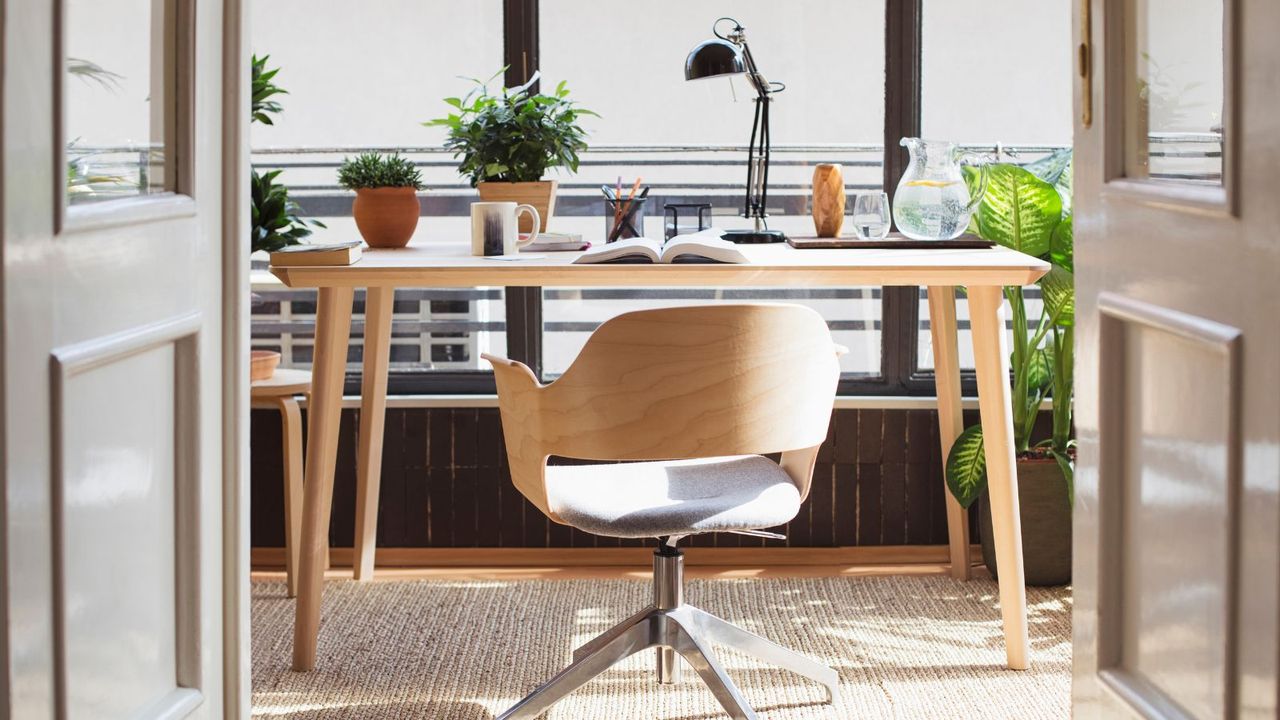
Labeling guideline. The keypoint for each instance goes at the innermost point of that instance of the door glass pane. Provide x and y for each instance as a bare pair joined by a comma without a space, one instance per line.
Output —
1175,91
116,97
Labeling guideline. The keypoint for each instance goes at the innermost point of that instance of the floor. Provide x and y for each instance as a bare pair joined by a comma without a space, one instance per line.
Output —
466,643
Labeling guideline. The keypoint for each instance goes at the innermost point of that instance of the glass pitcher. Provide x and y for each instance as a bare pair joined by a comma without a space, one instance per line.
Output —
933,201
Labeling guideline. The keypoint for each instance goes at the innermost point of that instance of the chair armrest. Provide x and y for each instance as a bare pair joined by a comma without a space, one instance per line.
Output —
508,368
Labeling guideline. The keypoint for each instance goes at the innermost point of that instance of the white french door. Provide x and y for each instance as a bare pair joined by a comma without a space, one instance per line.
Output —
1177,518
122,388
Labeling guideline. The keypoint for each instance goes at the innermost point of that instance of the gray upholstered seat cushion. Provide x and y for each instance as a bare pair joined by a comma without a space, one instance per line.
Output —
678,497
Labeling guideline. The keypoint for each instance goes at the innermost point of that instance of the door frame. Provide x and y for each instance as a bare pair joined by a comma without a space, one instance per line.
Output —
237,685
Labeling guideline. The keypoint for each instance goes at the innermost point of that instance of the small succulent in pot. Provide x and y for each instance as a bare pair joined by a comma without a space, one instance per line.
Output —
386,207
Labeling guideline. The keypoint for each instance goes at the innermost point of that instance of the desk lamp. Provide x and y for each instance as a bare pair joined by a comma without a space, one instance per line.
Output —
730,55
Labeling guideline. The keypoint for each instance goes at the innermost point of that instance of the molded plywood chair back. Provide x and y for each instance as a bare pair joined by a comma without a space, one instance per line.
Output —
700,393
677,383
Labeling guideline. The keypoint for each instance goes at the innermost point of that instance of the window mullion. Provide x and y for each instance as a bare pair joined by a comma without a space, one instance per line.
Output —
520,55
902,85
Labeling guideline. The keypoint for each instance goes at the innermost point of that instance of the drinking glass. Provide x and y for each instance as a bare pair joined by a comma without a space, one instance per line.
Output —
871,216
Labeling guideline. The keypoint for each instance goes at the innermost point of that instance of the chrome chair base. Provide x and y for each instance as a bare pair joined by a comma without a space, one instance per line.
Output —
674,627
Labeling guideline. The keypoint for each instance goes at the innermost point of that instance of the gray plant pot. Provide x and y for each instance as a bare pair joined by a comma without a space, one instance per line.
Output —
1046,524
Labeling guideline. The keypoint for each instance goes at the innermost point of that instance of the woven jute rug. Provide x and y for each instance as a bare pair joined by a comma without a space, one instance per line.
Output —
905,647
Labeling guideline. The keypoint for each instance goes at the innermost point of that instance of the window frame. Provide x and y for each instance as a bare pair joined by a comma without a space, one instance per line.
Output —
900,311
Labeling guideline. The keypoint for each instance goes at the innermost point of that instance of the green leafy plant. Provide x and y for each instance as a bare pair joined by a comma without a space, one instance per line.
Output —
263,89
371,170
1028,208
276,222
514,136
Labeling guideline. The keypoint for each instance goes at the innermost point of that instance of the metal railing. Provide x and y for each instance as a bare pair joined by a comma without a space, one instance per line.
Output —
711,174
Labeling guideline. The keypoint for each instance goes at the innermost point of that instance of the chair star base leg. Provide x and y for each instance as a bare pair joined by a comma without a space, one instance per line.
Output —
684,630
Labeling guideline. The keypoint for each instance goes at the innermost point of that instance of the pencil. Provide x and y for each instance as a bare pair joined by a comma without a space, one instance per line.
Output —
617,203
623,211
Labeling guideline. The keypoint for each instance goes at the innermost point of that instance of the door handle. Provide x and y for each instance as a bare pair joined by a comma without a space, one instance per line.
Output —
1084,63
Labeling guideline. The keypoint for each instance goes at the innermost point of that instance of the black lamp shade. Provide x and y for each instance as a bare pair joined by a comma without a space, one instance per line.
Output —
714,57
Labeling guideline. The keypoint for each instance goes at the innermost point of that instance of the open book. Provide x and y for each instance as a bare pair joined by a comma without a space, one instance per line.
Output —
699,247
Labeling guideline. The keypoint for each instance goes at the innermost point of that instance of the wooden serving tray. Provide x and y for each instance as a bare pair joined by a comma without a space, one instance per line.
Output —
894,240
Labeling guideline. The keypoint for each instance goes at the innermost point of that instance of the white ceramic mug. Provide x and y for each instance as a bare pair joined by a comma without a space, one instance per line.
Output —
495,227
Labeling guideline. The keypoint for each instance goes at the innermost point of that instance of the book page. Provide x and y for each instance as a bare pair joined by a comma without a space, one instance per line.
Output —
705,244
631,249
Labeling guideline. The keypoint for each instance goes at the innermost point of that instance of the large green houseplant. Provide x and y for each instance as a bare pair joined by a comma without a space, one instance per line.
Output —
1028,208
508,141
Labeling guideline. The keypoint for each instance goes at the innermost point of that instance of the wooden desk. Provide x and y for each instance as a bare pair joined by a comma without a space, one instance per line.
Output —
432,263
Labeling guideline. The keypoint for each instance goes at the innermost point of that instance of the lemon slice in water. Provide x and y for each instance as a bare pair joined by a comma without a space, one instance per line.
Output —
930,183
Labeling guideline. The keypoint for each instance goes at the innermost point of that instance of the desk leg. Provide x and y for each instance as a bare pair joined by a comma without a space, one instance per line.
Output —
329,364
373,410
991,356
946,371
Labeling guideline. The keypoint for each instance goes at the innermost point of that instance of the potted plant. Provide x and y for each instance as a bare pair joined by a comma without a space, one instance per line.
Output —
386,207
1028,208
508,141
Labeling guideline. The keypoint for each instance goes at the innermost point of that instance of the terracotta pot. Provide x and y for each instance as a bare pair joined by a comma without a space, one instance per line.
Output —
262,364
386,216
541,195
1046,524
828,200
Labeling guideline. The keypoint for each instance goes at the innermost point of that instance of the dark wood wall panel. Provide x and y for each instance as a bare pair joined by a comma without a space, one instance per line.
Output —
445,483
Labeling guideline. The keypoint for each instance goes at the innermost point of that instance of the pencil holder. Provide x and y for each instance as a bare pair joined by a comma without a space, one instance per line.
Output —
624,218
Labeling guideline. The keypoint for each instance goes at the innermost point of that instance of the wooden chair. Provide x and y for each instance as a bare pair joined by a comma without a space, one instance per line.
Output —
696,396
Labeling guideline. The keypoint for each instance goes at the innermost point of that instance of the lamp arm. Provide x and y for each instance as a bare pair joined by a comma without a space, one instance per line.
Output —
753,72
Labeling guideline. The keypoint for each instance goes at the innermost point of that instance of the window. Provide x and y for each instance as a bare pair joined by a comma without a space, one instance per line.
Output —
1175,87
1007,97
688,140
337,108
365,78
116,98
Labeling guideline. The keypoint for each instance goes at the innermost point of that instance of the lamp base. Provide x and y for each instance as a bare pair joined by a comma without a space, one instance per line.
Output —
751,237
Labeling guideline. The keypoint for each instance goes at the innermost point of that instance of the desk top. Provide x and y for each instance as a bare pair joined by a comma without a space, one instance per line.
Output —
449,263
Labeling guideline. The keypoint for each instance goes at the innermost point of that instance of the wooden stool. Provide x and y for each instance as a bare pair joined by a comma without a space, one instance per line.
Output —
278,392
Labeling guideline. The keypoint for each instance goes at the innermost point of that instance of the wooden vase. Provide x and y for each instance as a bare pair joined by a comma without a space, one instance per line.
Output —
541,195
386,216
828,200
